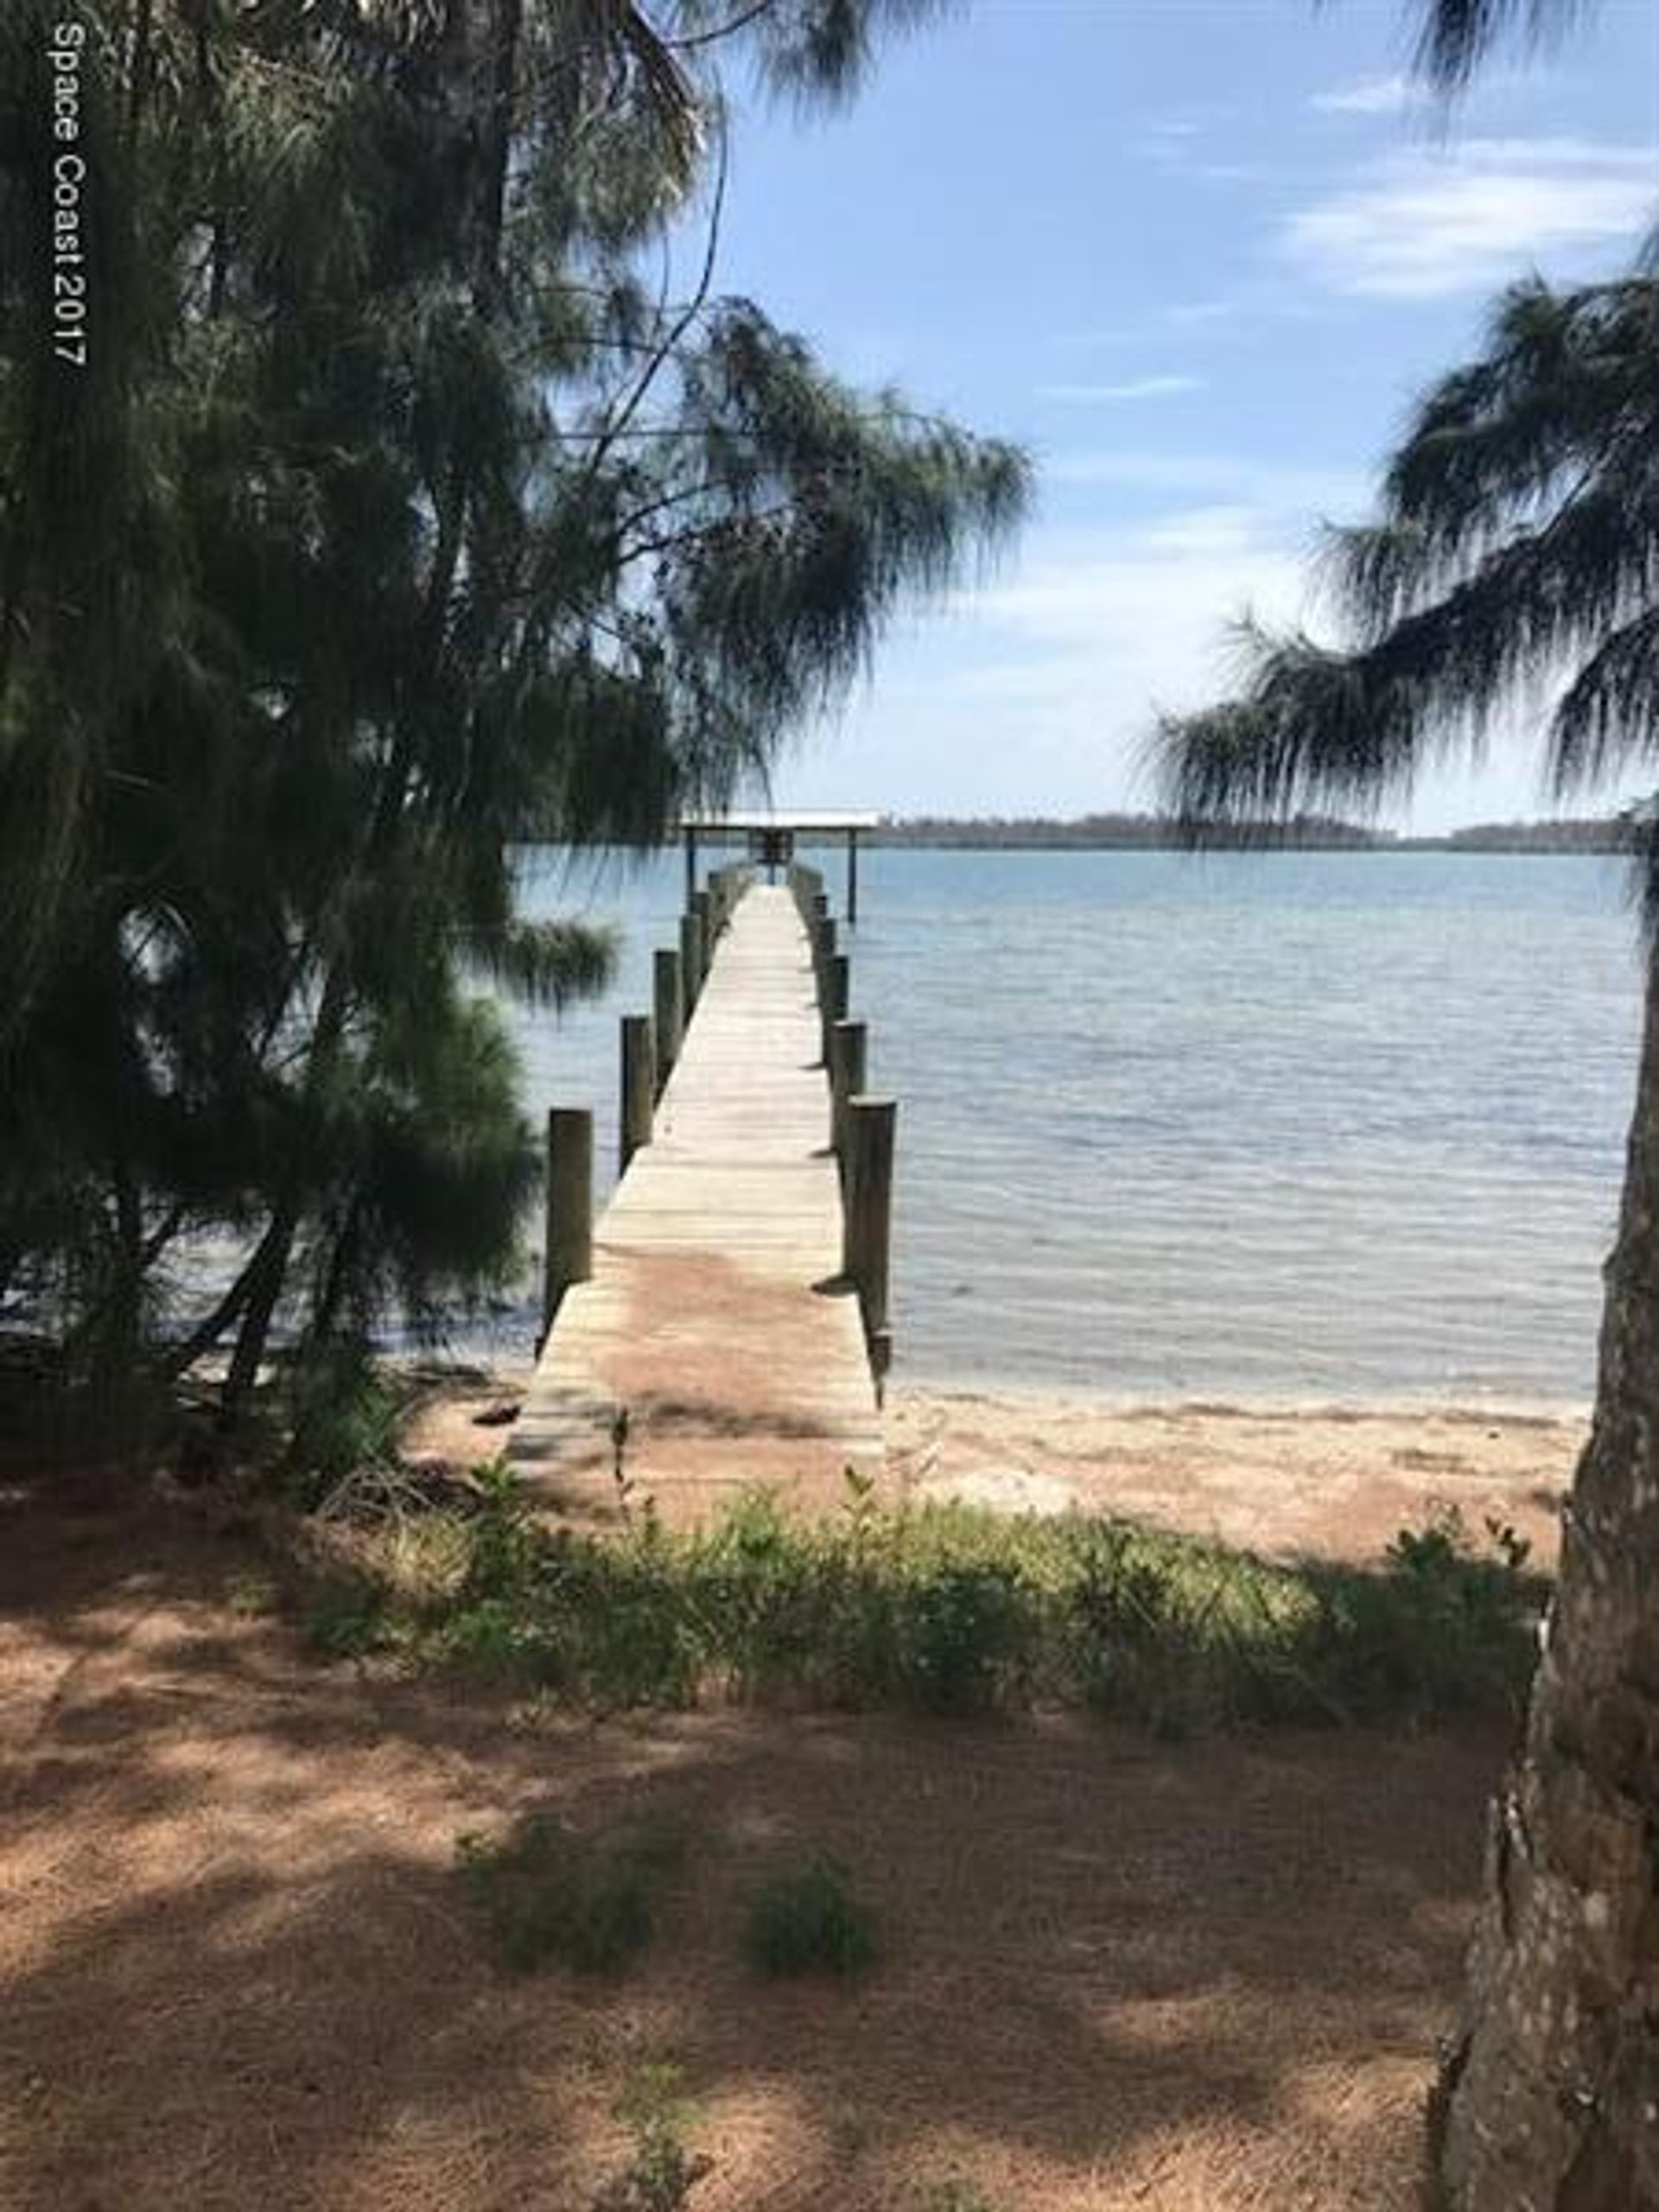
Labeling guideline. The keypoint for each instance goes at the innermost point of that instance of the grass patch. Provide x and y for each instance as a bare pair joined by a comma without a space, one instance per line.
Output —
808,1919
940,1608
544,1893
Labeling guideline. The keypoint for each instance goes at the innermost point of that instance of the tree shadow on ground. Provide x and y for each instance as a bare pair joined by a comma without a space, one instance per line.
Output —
238,1967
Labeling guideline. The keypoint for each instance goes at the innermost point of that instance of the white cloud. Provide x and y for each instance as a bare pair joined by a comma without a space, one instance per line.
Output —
1090,394
1431,224
1372,95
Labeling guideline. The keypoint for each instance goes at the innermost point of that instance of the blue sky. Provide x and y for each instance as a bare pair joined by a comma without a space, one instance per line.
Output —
1198,256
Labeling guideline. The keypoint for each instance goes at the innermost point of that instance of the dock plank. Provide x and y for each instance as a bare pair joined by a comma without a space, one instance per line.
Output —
716,1316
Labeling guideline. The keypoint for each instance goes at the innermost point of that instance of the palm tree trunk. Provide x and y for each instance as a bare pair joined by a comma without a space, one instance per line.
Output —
1549,2099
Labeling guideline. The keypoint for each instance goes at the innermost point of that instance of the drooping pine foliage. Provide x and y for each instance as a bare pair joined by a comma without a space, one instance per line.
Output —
1517,555
396,518
1455,37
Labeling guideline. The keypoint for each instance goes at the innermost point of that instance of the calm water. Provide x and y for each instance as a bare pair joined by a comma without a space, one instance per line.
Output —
1288,1125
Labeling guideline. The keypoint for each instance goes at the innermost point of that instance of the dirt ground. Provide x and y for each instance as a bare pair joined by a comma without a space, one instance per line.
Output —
236,1969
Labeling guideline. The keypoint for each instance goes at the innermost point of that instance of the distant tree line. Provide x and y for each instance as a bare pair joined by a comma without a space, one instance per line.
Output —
1302,833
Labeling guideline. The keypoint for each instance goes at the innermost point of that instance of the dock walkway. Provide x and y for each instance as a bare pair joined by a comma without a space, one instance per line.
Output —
715,1316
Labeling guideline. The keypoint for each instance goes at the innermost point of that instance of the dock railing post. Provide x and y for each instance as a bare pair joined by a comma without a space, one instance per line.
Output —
824,951
668,999
849,1072
691,967
833,995
638,1086
867,1215
567,1257
701,909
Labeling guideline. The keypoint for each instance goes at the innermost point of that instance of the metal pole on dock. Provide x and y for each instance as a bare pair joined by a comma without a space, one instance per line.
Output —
638,1085
668,1012
569,1256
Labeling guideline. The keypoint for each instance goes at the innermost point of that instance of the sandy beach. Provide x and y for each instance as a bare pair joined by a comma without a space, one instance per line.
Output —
1328,1481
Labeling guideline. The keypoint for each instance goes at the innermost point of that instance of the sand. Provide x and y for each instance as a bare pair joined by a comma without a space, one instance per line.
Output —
1330,1482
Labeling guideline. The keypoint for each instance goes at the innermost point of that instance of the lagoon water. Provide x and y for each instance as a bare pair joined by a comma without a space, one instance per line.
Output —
1301,1126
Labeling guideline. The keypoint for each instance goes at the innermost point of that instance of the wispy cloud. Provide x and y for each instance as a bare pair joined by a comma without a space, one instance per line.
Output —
1429,224
1176,144
1280,497
1096,395
1372,95
1189,315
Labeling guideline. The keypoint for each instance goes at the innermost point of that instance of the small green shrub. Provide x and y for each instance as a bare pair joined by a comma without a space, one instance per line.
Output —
343,1412
808,1919
347,1617
663,2170
545,1893
967,1628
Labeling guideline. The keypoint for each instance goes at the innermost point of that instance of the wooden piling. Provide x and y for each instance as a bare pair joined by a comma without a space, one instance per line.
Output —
821,936
869,1204
569,1254
638,1086
833,995
668,1012
690,965
849,1073
703,916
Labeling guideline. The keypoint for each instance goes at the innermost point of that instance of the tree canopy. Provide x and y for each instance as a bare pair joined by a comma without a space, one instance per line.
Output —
409,503
1517,554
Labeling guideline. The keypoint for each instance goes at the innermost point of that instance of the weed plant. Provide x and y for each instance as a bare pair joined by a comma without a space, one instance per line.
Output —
544,1893
946,1609
808,1919
662,2170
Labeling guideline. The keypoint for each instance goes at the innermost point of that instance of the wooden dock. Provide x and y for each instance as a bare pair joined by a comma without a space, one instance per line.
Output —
716,1317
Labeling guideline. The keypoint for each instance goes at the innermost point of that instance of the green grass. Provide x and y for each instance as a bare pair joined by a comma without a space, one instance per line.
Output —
808,1919
544,1893
945,1609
